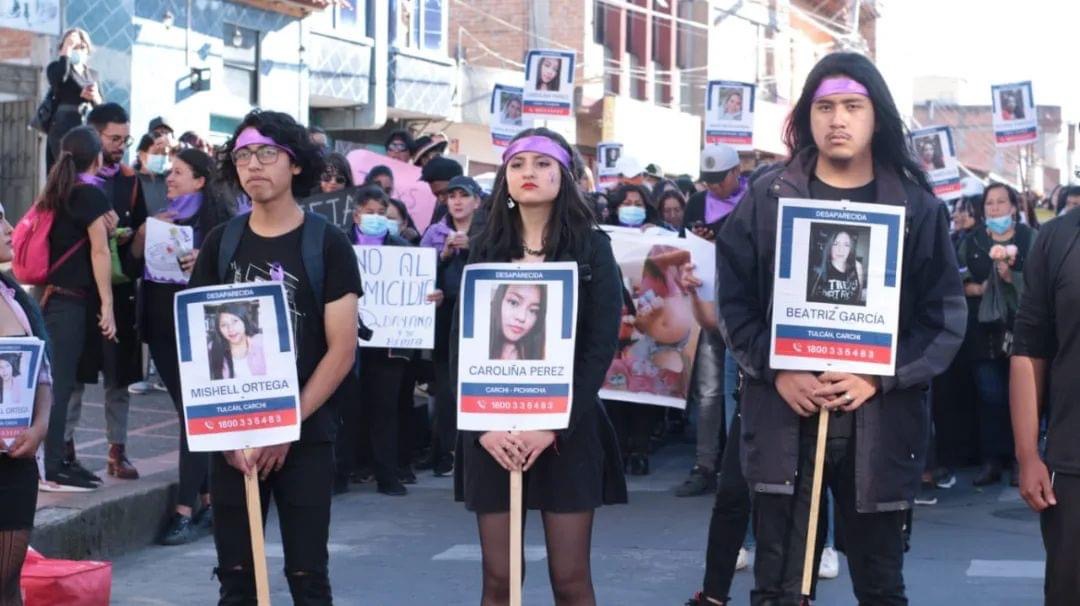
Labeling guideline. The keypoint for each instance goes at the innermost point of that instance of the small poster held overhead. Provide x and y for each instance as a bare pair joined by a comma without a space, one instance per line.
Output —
237,366
20,363
936,153
1015,120
729,115
607,160
397,281
506,118
549,84
836,295
516,346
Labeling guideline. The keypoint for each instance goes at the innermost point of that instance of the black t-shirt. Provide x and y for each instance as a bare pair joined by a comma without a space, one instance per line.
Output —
256,257
85,205
841,424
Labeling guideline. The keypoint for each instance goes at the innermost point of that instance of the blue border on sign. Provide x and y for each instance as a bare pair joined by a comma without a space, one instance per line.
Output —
468,299
787,229
839,335
510,389
273,290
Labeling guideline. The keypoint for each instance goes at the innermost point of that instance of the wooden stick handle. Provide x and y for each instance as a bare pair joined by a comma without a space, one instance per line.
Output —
515,538
809,570
255,526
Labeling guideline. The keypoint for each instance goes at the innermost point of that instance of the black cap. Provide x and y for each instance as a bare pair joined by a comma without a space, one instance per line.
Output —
160,122
468,184
440,169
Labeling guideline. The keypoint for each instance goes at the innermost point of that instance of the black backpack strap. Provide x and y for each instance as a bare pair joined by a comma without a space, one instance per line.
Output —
230,241
311,251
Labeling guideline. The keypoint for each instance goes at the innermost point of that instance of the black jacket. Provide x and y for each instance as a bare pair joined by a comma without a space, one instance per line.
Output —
892,428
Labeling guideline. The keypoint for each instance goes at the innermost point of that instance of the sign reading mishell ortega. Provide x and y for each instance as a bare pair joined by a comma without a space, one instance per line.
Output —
237,366
549,84
516,346
836,288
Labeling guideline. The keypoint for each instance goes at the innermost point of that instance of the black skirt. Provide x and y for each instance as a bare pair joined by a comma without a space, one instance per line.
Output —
579,473
18,492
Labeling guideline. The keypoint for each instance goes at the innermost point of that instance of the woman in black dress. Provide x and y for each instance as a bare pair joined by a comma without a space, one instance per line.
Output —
71,83
538,215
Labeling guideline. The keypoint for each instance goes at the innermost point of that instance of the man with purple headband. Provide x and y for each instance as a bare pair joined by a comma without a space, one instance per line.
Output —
847,141
275,162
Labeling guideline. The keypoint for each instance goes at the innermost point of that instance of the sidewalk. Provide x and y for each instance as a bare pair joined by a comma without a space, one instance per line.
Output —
123,514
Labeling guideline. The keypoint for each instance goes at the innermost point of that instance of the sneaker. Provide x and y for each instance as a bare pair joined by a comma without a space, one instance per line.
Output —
944,478
181,530
75,468
444,467
204,520
700,481
139,388
830,564
925,496
63,480
743,561
158,385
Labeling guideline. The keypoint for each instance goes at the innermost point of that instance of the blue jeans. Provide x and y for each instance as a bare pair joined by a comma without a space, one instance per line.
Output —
995,425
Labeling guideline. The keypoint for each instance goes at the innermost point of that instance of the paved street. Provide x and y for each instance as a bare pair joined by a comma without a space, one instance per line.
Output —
979,547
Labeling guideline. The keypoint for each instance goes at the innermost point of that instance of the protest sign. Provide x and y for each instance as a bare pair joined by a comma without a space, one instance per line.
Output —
397,281
1015,120
20,363
607,157
729,114
408,187
549,84
165,244
237,366
936,153
658,336
516,346
505,117
836,292
336,207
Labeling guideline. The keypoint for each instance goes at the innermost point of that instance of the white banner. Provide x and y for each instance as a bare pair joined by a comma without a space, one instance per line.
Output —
20,364
165,244
397,281
237,366
836,292
518,323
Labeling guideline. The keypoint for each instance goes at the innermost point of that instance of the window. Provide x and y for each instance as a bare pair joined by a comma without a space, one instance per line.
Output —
241,59
419,24
599,22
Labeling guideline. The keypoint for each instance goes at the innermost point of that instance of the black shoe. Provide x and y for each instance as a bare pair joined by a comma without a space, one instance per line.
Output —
392,489
425,460
181,530
701,481
75,468
204,520
638,464
362,476
990,474
699,599
444,467
63,480
406,475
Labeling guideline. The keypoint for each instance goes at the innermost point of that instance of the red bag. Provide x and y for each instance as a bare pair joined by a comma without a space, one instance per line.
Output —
30,244
47,582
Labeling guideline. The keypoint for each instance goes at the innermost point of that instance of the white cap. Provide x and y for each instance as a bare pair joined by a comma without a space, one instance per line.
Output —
628,167
717,158
971,187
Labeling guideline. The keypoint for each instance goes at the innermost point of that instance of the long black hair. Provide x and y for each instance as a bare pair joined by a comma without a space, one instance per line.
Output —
568,228
531,344
284,130
618,196
79,149
889,145
220,351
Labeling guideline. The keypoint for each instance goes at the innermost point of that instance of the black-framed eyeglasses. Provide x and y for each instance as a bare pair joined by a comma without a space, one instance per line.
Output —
336,178
127,141
267,154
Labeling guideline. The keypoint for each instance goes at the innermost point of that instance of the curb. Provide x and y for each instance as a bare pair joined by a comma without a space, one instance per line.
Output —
107,524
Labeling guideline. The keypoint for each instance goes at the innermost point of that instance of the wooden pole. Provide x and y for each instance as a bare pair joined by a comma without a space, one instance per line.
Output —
515,538
809,570
255,526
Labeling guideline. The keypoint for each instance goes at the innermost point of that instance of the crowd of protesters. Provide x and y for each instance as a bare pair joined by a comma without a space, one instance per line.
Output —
989,315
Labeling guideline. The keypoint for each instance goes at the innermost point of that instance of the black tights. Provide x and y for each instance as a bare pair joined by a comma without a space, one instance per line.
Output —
569,543
13,544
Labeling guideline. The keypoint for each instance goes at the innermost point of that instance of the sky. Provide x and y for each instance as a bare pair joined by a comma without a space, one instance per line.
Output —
988,42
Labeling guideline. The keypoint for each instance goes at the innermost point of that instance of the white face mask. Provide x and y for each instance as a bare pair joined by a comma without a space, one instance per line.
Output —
76,57
157,163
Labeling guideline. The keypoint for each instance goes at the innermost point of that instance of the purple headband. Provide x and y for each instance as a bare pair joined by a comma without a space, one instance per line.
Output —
540,145
831,86
252,136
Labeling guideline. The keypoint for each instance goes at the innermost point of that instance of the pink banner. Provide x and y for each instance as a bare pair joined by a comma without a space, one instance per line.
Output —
408,187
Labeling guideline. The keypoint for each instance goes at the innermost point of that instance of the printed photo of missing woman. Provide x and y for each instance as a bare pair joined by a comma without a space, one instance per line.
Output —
517,327
548,73
837,262
928,150
234,340
510,108
11,387
729,103
1011,101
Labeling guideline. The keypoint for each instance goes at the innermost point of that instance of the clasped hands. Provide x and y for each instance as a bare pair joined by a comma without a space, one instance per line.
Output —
807,393
514,450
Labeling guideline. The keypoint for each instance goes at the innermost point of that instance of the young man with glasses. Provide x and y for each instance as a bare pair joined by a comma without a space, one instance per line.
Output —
119,360
274,161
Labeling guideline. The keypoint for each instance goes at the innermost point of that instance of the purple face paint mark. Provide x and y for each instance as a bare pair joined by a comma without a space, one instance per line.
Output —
277,272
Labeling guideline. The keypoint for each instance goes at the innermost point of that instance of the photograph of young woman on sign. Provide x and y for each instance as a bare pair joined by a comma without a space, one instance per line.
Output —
1012,103
9,383
837,272
731,103
511,108
517,322
234,341
928,150
549,74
